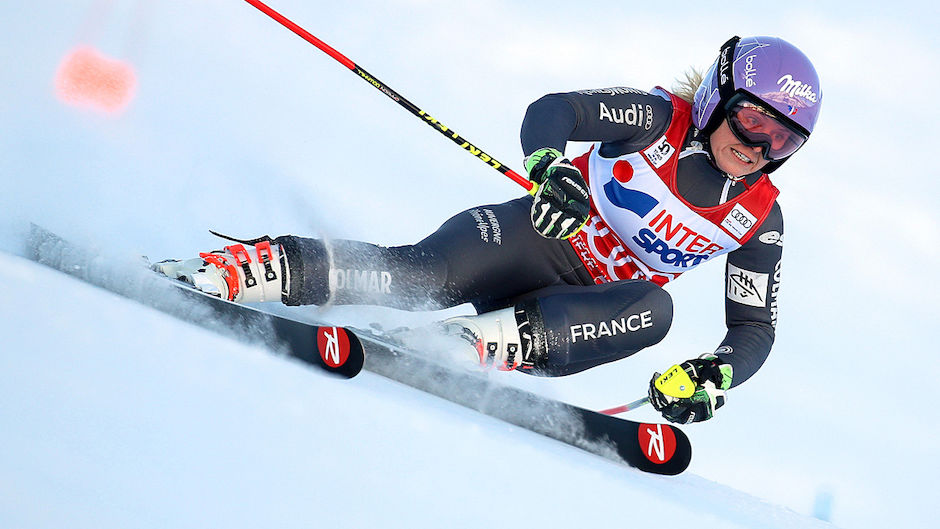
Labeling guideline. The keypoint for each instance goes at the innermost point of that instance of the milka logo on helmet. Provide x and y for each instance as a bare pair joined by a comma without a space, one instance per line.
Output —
797,88
749,71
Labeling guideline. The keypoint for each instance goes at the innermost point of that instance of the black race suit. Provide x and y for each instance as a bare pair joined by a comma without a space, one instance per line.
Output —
491,257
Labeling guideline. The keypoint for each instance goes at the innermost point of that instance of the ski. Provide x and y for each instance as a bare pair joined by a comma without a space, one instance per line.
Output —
650,447
336,350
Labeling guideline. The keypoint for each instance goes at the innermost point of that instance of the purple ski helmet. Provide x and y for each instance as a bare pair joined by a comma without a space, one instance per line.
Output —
769,71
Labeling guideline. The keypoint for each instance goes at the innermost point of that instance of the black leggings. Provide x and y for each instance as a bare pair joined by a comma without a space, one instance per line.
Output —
491,257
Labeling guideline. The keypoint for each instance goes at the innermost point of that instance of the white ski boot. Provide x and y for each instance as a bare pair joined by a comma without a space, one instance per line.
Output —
493,338
238,273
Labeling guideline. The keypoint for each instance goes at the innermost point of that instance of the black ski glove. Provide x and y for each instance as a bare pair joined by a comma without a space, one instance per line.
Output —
691,391
562,202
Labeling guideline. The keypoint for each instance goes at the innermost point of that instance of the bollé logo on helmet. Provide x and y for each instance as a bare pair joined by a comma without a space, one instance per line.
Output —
795,88
723,65
749,71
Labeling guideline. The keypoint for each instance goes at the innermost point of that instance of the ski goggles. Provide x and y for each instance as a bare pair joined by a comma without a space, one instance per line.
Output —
757,126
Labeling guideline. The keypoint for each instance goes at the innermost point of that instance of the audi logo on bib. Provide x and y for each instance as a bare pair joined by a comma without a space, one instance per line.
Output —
739,221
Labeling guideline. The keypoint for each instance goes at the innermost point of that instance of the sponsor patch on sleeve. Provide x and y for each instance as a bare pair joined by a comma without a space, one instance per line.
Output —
747,287
771,237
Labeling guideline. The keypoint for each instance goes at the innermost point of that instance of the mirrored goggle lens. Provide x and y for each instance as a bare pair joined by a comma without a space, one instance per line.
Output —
754,126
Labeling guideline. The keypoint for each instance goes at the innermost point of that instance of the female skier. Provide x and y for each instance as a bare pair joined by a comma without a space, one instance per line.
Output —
673,181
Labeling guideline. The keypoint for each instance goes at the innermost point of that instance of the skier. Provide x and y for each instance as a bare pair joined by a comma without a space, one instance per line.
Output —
673,181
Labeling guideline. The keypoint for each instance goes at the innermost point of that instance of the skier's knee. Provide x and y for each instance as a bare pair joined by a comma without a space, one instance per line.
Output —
659,303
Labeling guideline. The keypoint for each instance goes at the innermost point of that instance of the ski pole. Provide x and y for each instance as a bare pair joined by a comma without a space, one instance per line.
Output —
626,407
531,187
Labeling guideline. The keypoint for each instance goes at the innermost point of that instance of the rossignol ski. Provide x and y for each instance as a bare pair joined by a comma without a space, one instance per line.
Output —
650,447
336,350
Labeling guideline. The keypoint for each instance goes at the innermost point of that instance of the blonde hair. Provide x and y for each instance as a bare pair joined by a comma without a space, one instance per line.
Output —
686,85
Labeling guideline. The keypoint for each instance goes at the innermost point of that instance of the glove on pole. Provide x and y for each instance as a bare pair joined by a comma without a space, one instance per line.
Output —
692,390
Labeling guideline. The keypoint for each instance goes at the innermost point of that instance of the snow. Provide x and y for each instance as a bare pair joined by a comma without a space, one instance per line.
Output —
114,415
125,417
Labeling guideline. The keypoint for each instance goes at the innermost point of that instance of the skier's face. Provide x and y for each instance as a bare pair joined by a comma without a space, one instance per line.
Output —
732,156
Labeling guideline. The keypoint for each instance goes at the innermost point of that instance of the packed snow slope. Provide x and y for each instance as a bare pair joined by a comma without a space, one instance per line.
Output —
112,415
125,417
